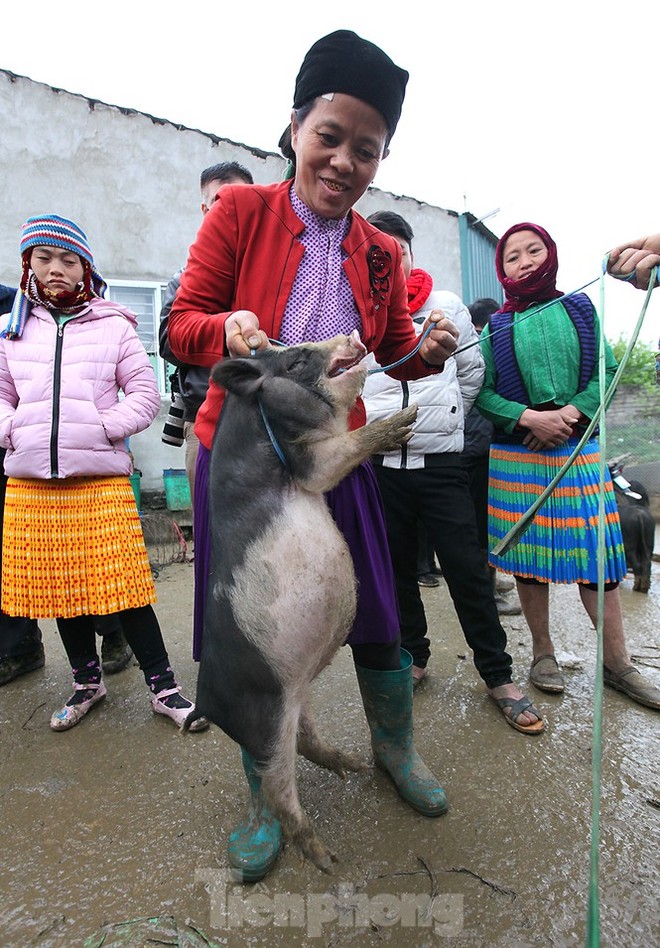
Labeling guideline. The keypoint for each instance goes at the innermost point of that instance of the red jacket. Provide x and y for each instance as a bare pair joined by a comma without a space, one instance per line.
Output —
246,256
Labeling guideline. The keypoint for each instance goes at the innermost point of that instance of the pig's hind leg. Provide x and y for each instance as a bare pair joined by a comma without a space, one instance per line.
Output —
279,784
312,746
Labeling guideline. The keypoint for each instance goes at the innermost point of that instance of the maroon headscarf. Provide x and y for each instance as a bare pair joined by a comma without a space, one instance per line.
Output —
540,285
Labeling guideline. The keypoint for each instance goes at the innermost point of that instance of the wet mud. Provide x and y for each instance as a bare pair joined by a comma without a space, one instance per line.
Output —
114,833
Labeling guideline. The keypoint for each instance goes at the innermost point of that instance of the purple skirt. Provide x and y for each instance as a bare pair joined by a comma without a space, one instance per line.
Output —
357,509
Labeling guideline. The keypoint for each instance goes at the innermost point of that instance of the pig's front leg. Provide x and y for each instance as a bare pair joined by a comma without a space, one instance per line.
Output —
337,456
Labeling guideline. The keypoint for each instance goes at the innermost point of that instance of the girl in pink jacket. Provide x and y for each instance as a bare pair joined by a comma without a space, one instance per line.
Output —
72,545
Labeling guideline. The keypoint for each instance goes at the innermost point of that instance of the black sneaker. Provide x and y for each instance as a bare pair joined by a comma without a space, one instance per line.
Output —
115,653
11,668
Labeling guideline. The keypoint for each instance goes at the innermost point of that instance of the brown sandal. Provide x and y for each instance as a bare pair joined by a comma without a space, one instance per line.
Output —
517,707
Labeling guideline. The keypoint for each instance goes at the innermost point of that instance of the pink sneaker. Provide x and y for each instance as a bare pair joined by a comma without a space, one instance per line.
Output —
419,674
178,715
70,714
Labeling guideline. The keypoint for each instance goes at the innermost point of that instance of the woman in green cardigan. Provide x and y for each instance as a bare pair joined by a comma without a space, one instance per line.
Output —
540,391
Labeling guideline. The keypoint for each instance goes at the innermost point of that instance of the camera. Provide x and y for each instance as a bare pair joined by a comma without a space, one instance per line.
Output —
173,427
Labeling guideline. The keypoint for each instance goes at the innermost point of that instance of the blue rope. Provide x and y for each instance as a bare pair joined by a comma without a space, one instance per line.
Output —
273,440
469,345
477,342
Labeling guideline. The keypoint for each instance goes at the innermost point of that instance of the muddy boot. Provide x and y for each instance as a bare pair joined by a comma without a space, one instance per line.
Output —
255,844
116,654
22,651
14,666
387,697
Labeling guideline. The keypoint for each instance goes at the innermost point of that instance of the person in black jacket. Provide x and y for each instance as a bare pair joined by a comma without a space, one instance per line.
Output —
190,382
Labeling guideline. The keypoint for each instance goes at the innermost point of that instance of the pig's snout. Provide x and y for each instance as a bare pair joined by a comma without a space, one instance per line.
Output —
347,354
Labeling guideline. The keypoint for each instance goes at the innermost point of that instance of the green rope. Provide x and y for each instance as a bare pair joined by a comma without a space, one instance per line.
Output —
593,908
592,939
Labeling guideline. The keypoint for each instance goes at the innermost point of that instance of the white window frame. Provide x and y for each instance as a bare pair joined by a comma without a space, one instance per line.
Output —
162,368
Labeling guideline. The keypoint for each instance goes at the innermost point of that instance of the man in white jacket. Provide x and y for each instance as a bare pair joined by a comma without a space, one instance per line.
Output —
425,479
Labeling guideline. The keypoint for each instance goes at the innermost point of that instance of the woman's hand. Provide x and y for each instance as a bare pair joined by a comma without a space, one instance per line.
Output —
638,256
548,429
570,414
441,341
242,333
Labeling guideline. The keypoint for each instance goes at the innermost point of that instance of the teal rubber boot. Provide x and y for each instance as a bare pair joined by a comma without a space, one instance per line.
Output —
388,699
255,844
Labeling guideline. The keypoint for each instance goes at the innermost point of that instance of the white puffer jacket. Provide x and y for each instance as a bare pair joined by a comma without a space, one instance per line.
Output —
444,399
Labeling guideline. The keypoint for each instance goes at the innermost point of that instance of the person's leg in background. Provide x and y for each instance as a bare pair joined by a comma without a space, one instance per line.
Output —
21,647
451,524
618,671
143,634
534,597
477,471
401,519
79,642
116,654
426,573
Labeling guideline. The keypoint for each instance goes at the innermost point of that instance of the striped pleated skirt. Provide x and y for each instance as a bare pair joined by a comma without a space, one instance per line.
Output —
73,547
561,543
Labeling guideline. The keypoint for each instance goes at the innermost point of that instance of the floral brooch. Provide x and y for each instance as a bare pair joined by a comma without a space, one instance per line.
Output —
379,262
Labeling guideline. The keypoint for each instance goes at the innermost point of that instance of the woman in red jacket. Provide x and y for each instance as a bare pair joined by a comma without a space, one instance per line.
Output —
293,261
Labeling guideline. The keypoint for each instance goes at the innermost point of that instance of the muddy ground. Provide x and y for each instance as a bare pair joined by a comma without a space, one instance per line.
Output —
114,833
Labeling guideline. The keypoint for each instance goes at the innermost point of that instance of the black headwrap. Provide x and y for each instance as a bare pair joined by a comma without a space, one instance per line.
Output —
344,62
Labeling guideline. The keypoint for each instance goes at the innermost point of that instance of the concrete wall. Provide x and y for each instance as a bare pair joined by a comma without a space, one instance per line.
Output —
131,181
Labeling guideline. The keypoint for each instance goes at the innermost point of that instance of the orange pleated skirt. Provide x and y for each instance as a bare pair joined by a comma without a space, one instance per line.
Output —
73,547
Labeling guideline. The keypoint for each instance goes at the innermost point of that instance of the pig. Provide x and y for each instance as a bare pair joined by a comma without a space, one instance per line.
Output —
282,591
638,529
637,525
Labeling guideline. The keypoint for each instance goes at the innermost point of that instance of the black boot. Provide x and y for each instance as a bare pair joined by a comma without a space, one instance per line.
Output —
116,654
16,665
21,641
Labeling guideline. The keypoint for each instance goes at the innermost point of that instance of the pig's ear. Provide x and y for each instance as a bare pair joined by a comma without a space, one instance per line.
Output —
243,377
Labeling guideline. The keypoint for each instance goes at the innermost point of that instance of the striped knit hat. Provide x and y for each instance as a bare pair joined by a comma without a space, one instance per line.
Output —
49,230
53,231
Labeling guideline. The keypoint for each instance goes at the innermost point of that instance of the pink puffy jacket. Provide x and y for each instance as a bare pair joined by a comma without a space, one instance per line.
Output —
60,411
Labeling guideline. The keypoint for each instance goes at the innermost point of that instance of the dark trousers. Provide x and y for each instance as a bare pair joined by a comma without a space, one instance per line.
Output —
440,496
141,630
477,472
18,636
425,551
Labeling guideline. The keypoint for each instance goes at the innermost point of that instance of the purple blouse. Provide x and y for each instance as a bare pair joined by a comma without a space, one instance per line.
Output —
321,303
